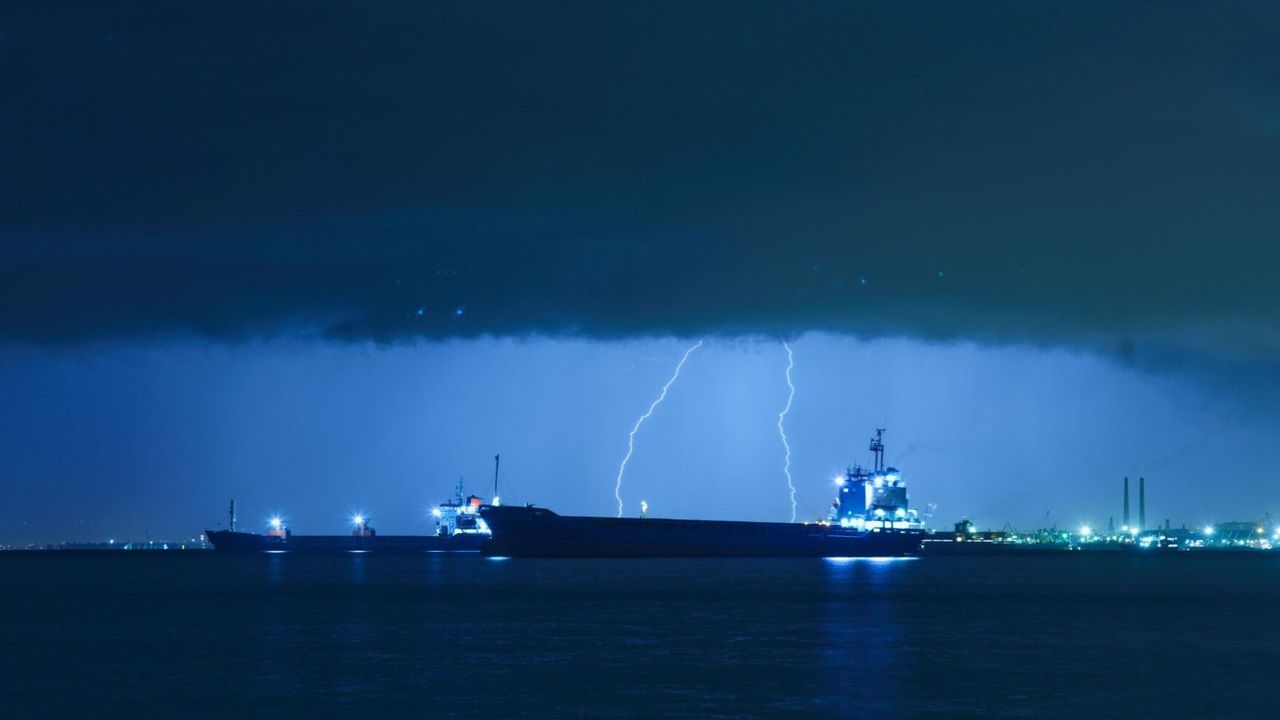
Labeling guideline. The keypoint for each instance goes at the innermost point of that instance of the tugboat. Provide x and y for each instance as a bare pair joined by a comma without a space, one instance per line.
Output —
870,517
459,528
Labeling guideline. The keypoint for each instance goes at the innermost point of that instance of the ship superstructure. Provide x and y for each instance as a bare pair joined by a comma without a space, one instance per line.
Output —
875,497
460,515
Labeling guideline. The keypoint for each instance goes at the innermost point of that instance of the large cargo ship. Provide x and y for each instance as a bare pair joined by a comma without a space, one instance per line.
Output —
870,517
459,528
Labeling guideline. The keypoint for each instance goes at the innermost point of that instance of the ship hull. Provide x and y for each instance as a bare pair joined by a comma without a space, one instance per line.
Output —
225,540
537,532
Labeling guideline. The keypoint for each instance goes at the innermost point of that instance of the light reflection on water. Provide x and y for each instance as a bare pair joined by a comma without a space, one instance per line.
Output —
875,560
862,627
838,637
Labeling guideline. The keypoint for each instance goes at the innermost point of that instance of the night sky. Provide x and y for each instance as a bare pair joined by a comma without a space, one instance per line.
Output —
330,257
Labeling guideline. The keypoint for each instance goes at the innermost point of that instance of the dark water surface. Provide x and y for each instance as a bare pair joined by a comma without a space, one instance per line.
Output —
205,634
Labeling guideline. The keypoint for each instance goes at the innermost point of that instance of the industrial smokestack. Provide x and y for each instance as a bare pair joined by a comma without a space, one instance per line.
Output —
1126,503
1142,503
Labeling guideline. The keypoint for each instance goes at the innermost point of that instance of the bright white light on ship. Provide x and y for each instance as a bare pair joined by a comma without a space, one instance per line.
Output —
435,512
275,523
357,519
497,501
839,480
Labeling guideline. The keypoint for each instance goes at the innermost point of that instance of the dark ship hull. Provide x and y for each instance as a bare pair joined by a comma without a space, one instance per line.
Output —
227,540
537,532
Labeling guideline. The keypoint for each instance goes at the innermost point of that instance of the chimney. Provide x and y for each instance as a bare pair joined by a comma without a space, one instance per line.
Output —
1142,503
1126,503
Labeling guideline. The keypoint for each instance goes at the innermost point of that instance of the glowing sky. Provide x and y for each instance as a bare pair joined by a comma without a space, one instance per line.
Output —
117,440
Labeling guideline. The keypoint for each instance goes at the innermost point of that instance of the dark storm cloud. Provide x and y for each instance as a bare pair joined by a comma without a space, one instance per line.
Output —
1093,175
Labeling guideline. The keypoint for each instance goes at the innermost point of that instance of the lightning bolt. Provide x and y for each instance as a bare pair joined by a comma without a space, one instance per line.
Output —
631,437
782,431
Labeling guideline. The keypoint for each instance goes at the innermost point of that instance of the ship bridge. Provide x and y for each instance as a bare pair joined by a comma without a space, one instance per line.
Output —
875,497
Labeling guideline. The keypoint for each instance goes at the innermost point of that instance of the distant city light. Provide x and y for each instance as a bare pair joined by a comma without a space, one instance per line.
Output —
1133,532
1208,529
1086,531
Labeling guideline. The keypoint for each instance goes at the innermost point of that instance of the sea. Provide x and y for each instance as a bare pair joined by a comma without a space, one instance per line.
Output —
205,634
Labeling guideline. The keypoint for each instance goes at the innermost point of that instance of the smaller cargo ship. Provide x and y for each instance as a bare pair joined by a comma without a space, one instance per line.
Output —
459,528
870,517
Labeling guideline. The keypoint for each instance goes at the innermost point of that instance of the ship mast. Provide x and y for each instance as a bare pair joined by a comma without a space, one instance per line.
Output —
877,447
496,459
